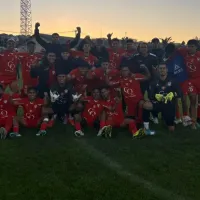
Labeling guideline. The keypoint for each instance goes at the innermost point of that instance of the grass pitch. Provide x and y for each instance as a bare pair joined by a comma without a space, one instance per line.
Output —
59,166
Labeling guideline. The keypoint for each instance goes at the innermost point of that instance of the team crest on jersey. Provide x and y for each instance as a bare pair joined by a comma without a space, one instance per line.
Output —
5,101
169,84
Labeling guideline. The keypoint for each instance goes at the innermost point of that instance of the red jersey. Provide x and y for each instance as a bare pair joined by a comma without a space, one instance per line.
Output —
5,107
26,61
79,81
32,110
117,115
91,60
132,94
115,57
93,109
99,77
8,69
193,65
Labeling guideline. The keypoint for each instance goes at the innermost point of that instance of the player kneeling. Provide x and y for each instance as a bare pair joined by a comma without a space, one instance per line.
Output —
114,116
33,115
88,111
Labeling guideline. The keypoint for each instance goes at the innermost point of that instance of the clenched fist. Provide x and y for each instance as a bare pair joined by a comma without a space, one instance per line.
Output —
37,25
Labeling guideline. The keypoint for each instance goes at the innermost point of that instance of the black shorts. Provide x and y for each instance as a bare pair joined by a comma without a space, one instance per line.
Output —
60,109
96,124
168,111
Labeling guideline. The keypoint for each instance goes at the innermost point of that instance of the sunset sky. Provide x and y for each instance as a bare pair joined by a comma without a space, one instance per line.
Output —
140,19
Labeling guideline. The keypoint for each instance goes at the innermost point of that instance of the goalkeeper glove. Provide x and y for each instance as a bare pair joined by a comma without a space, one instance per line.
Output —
169,97
159,97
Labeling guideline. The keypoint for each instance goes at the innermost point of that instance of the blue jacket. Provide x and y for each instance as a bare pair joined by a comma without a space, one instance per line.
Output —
177,68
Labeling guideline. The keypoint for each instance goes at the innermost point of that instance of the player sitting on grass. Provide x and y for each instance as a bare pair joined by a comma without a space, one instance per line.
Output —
33,114
163,95
61,98
92,109
6,113
114,116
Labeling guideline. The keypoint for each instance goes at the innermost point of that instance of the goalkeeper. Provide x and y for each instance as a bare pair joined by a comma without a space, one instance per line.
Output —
61,98
163,94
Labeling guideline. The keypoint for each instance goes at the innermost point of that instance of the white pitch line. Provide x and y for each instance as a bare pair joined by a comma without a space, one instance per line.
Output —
108,162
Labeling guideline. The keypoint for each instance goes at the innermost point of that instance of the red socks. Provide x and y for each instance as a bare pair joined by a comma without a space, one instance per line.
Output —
77,126
16,129
43,126
132,127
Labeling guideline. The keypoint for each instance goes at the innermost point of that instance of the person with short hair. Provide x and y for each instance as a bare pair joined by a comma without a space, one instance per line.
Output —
32,113
163,93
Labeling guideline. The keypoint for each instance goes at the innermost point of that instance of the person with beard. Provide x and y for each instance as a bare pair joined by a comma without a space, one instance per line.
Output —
55,44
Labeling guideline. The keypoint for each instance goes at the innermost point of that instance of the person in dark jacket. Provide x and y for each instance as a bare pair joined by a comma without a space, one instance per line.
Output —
66,63
55,45
45,71
97,49
156,50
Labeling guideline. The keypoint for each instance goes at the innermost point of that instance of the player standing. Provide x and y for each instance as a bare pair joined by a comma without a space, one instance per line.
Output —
9,64
6,114
27,59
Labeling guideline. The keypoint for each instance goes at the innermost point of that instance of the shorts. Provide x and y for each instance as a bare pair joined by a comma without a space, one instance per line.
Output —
132,108
95,124
115,121
33,123
168,111
191,86
4,120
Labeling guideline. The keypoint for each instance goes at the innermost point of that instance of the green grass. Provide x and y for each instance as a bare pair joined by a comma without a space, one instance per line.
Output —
61,167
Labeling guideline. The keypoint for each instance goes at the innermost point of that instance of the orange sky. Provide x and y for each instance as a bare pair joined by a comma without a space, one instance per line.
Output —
140,19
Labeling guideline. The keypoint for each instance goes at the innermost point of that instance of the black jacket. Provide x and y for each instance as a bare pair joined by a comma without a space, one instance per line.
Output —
66,66
42,72
57,48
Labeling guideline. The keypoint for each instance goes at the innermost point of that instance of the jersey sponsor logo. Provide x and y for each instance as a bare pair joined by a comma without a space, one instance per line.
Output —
177,69
169,84
192,67
3,113
129,92
10,67
92,112
30,116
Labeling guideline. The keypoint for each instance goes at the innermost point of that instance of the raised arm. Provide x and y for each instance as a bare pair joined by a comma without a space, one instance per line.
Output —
74,42
43,43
